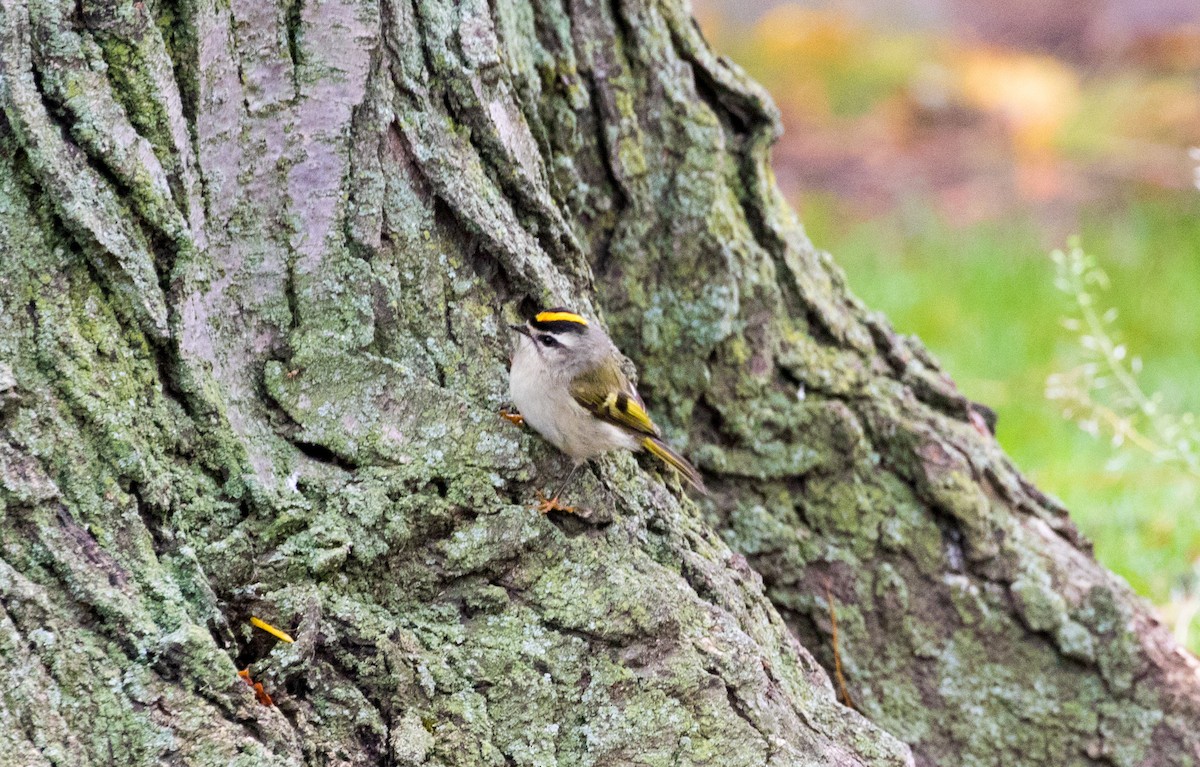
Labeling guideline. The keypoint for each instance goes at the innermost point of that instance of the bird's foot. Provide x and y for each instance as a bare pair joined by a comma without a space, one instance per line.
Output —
511,417
546,505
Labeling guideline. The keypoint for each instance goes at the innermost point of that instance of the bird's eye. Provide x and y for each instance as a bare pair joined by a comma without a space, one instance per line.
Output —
548,341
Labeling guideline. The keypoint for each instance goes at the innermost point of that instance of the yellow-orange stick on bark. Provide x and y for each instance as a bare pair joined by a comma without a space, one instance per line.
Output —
279,634
837,656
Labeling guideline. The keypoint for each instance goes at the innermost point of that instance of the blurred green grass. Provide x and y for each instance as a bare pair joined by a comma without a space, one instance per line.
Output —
982,298
940,171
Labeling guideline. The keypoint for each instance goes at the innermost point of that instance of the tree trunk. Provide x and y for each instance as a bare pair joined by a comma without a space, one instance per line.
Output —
258,263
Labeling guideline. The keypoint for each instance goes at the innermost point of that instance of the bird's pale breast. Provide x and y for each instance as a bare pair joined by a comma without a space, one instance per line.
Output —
548,407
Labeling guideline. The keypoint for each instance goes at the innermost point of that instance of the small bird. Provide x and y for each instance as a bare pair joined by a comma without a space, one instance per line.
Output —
566,381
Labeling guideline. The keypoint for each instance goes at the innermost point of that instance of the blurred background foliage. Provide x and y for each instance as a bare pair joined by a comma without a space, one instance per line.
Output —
941,149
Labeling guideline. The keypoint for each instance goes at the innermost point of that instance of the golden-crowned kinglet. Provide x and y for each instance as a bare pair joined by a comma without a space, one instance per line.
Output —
567,383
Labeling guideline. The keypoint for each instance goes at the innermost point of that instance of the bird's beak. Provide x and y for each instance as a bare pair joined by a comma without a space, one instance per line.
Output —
522,329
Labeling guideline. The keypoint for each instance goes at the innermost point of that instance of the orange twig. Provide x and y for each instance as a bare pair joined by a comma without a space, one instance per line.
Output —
837,656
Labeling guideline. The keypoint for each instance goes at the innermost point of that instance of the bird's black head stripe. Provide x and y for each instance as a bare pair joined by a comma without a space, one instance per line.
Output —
558,326
559,319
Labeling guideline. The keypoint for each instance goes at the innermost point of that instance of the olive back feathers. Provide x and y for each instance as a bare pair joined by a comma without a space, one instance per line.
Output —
608,395
567,382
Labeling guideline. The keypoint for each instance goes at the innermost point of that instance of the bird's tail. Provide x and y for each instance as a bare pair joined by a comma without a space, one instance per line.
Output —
663,452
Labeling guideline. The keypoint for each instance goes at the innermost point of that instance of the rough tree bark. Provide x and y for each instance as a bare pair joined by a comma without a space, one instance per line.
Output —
257,262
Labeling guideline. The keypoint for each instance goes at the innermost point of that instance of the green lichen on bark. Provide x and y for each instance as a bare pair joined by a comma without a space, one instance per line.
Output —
259,263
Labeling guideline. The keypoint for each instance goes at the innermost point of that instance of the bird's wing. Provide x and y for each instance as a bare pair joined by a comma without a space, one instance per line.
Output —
606,393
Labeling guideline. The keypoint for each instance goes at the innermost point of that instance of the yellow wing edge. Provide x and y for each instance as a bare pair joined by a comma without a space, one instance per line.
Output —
621,409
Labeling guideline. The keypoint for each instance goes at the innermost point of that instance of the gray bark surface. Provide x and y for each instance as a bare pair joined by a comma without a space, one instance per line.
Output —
258,260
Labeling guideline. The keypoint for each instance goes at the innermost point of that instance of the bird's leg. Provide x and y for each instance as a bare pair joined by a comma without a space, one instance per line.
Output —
547,505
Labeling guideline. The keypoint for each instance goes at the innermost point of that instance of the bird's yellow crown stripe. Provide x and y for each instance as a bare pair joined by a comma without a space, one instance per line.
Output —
560,317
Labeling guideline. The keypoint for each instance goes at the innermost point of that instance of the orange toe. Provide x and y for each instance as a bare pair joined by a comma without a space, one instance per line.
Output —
514,418
546,505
